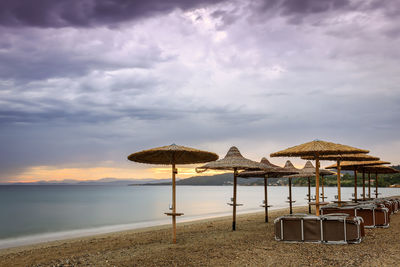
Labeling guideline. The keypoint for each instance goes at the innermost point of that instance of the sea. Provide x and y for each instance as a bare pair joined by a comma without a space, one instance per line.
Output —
32,214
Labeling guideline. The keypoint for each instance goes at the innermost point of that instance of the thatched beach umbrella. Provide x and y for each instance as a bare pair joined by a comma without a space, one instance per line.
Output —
353,166
290,167
377,169
233,161
172,155
344,157
308,171
316,149
268,170
309,168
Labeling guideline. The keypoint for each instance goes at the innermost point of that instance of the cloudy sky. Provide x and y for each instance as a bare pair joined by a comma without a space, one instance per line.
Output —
85,83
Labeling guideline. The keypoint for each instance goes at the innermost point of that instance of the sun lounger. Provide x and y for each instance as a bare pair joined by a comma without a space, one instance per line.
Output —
395,204
372,214
329,229
387,203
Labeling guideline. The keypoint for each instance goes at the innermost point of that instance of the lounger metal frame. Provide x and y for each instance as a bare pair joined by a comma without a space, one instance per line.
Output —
363,206
332,217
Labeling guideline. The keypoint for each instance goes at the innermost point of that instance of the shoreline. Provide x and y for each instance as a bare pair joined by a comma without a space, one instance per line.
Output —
163,225
209,242
37,239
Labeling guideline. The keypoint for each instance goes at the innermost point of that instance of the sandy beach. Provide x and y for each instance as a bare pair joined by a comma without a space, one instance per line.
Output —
212,243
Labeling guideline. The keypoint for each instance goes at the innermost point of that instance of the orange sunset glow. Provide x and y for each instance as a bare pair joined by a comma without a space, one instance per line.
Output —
39,173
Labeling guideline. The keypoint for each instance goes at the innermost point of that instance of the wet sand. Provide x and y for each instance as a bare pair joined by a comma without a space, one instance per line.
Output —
210,243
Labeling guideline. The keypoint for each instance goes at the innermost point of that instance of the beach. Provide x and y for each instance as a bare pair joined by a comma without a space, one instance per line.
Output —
209,242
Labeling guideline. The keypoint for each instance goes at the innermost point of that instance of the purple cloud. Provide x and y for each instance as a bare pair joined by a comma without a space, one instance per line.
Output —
92,81
86,13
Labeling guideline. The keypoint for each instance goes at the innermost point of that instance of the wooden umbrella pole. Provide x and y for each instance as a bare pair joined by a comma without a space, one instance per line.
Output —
369,184
376,184
234,199
309,194
266,198
290,196
317,184
322,187
363,177
338,182
173,203
355,185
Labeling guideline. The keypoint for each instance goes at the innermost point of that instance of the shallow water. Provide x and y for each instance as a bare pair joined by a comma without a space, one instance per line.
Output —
54,212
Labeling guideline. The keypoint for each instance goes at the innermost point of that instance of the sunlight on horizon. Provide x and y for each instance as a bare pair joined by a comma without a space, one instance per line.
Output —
49,173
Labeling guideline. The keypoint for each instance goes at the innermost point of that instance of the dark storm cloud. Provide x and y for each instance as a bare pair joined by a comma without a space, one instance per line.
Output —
55,111
86,13
301,7
298,11
312,6
34,55
48,111
53,64
294,11
258,74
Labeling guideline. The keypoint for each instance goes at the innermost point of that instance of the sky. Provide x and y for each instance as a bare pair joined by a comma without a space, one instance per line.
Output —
85,83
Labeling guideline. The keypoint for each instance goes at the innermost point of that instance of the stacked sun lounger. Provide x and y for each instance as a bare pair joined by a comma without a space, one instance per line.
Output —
342,223
396,204
392,203
374,215
388,204
330,229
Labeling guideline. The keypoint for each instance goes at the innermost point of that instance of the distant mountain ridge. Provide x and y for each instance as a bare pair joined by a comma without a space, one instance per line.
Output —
103,181
218,179
227,179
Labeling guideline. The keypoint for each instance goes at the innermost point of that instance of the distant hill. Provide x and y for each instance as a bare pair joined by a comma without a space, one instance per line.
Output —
218,179
227,179
103,181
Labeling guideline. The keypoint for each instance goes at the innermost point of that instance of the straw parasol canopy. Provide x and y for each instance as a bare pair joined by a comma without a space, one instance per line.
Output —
350,165
377,169
309,171
171,155
316,149
355,166
380,169
268,170
290,168
344,157
232,161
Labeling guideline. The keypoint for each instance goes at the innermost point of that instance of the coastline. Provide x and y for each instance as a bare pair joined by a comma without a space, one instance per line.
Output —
35,239
209,242
147,229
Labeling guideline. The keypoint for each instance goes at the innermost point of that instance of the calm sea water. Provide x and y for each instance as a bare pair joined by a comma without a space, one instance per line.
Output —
31,214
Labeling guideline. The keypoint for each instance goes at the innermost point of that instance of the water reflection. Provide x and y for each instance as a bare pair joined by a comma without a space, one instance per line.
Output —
26,210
